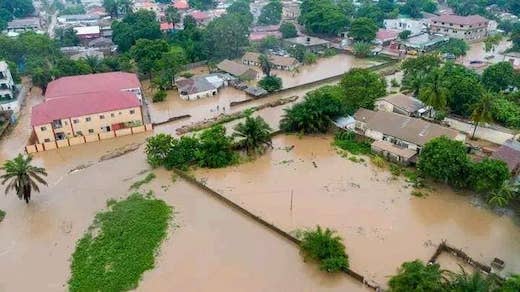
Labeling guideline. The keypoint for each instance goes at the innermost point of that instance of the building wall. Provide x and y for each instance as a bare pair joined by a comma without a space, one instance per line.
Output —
402,24
199,95
464,32
98,123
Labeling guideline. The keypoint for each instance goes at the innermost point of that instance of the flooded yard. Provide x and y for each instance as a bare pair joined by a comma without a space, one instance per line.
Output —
381,223
212,248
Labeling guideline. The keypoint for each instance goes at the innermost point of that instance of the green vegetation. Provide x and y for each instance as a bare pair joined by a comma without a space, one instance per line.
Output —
378,161
362,49
241,7
322,17
2,215
363,30
455,47
405,34
288,30
361,88
23,177
254,135
314,114
142,24
346,140
202,4
148,178
271,13
325,247
159,96
416,276
212,149
271,83
414,8
10,9
120,245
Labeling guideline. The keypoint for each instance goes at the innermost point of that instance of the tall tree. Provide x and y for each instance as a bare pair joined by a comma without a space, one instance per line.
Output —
434,93
139,25
271,13
23,177
146,53
482,111
203,4
226,36
416,276
363,29
499,76
288,30
322,17
360,88
253,135
265,64
169,65
241,8
172,15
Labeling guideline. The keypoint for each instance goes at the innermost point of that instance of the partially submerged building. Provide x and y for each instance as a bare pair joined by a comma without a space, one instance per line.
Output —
238,70
8,91
509,153
198,87
87,105
20,25
423,42
398,137
402,104
469,28
310,44
278,62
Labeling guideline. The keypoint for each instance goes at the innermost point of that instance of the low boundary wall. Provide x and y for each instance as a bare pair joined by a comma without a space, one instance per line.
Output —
86,139
358,277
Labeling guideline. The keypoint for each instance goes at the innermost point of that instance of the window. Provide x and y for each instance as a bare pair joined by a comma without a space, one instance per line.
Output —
46,140
101,117
43,129
88,119
75,121
90,131
112,115
79,133
132,112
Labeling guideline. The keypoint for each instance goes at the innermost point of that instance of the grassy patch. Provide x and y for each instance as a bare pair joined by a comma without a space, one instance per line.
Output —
148,178
419,194
2,215
396,170
120,245
378,161
347,141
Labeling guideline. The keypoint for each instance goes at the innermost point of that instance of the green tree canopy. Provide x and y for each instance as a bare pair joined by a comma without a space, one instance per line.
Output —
363,29
215,149
499,76
325,247
416,276
456,47
270,83
147,53
22,177
361,88
315,113
254,135
489,175
444,160
271,13
288,30
134,26
322,17
226,36
241,8
202,4
66,37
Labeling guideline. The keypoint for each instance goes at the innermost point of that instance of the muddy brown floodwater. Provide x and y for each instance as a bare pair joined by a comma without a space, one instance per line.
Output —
381,223
213,248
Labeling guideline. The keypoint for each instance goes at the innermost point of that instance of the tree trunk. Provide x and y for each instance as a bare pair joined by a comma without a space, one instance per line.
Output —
474,131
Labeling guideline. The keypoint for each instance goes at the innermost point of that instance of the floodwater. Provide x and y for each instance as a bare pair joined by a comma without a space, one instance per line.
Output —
477,52
211,107
381,223
212,248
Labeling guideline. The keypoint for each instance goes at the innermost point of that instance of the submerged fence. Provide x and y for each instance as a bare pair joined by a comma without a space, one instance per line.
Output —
358,277
444,247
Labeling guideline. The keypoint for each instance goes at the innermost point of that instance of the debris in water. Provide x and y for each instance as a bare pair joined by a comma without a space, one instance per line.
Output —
315,165
120,151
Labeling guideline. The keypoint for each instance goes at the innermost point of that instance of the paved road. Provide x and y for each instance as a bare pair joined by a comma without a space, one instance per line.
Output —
492,135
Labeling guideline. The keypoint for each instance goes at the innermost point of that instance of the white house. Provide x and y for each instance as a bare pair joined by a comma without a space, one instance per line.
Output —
8,100
402,104
416,26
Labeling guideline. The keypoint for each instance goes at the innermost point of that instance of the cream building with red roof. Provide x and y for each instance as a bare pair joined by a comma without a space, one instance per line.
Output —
88,104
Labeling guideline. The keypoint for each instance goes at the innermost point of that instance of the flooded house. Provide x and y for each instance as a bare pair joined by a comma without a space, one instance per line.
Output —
238,70
20,25
8,90
398,137
509,153
469,28
278,62
402,104
87,105
309,43
198,87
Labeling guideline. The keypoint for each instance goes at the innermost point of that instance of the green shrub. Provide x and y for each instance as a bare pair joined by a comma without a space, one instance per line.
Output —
182,154
394,83
157,148
326,248
396,169
215,149
416,276
488,175
2,215
506,113
271,83
362,49
309,58
159,96
148,178
330,52
346,140
120,245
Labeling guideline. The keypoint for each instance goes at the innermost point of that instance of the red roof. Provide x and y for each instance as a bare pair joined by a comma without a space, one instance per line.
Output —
199,15
387,34
166,26
73,85
464,20
181,4
81,105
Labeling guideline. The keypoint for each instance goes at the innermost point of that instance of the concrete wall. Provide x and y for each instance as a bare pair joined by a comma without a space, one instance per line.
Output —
89,124
86,139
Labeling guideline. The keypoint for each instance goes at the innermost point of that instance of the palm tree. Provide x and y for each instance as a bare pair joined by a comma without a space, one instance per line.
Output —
433,93
172,15
22,176
254,134
94,62
501,197
265,64
482,111
463,281
413,83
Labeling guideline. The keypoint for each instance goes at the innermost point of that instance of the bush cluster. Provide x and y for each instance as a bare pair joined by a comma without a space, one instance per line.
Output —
326,248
